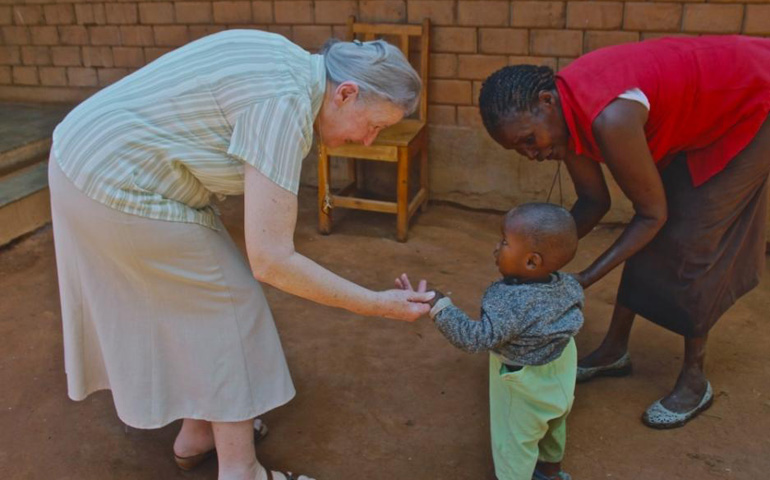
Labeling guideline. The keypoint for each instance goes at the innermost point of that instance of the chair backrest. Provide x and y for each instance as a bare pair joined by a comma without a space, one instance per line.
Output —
366,32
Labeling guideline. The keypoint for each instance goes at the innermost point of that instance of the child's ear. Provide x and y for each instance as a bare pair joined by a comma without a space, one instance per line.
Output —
534,261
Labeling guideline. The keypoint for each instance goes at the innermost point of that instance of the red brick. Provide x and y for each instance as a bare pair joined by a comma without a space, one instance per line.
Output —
136,35
654,35
107,35
757,20
97,57
171,36
454,40
82,77
483,13
25,76
28,15
10,55
596,40
563,62
594,15
340,32
469,117
6,17
312,37
44,35
262,11
73,35
5,76
59,14
121,13
284,30
440,12
294,11
15,35
200,31
443,65
442,115
128,57
232,12
90,14
712,18
477,91
457,92
556,43
108,76
504,40
660,17
53,76
151,54
35,56
66,56
538,14
479,67
539,61
193,12
381,10
156,13
335,11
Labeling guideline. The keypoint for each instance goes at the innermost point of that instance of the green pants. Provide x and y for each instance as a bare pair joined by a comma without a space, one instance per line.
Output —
528,413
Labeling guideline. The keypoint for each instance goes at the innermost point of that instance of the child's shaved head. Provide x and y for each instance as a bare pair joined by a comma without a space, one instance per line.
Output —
548,229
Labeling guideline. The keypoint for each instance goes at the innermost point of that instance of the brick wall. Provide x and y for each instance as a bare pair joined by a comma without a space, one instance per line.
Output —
62,51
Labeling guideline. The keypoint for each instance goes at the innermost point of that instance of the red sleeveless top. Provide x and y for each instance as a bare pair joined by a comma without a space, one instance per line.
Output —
708,96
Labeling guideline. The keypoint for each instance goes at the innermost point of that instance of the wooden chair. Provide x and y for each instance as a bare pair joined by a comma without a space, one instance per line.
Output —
398,144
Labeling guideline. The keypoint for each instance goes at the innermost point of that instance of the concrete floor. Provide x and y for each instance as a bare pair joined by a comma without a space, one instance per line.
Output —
379,399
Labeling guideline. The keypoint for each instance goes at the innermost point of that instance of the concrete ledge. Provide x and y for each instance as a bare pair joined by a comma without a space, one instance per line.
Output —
25,203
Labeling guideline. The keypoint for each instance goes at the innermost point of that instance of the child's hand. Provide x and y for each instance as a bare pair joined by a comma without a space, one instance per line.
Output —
403,283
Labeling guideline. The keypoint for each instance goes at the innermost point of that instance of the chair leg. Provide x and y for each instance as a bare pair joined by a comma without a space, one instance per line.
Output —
324,194
402,195
424,173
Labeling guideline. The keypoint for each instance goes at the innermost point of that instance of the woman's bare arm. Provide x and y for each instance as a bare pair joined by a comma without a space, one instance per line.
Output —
593,200
619,131
270,219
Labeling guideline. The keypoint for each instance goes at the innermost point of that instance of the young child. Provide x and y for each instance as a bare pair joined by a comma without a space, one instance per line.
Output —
528,319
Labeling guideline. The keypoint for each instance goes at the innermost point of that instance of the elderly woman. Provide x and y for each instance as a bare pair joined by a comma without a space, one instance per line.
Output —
682,125
158,305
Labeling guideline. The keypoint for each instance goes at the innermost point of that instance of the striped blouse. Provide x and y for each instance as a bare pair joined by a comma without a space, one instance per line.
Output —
161,141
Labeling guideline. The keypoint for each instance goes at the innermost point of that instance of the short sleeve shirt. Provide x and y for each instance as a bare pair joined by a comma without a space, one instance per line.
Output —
162,141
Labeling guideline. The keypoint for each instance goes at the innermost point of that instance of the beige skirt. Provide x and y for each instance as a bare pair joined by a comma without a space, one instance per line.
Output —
167,315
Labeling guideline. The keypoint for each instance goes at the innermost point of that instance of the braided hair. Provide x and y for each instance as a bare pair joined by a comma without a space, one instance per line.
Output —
510,90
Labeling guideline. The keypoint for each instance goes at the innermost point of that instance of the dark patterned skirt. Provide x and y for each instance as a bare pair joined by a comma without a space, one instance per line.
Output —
711,250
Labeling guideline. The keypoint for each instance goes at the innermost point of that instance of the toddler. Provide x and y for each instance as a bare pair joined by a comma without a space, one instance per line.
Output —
528,319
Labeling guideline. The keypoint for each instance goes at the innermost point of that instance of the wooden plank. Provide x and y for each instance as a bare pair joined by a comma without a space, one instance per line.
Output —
388,29
383,153
402,195
364,204
417,201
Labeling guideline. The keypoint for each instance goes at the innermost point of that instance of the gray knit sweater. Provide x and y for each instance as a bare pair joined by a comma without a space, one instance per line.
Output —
526,324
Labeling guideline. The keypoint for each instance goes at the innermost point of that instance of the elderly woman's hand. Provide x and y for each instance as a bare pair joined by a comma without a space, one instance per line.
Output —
406,305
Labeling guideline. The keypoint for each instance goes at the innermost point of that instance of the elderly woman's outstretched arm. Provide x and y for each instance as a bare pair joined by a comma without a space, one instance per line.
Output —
270,219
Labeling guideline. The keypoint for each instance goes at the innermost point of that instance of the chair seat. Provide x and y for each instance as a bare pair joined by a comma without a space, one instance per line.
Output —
400,134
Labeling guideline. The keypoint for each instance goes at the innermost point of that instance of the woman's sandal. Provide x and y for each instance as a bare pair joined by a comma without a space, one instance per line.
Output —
189,463
287,475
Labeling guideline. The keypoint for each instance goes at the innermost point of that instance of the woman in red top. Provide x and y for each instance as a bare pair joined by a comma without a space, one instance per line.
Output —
682,125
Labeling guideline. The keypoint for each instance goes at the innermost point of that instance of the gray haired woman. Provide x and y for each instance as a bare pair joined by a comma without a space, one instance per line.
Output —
158,305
